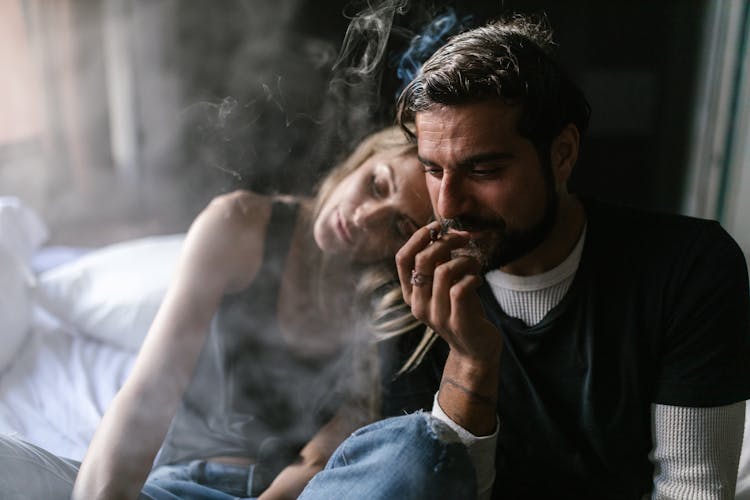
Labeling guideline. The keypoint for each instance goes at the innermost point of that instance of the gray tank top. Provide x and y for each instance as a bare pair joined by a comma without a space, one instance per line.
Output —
251,395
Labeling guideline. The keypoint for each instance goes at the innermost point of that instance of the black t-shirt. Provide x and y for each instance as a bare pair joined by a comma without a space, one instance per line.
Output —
658,312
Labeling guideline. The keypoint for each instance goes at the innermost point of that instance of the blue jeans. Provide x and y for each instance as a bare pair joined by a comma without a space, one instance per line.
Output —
406,458
30,472
200,479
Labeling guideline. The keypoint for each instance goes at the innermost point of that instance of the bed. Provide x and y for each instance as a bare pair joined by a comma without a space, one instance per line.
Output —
71,323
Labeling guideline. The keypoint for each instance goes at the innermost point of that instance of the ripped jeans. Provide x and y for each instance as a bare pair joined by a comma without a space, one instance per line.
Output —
406,458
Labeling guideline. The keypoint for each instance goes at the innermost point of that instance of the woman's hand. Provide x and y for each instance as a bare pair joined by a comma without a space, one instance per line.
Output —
290,482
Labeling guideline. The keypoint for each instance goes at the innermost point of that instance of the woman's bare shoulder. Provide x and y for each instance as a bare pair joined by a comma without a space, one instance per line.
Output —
231,230
240,206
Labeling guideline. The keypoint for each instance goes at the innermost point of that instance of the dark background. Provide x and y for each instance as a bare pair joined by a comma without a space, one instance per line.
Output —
270,94
635,60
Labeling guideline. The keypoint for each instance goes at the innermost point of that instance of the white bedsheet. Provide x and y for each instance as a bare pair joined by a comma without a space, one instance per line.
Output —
56,390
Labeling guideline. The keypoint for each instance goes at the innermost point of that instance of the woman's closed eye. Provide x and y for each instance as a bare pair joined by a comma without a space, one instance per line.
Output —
379,187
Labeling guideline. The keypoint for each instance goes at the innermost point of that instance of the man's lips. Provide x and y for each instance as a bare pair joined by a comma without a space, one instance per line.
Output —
471,232
474,226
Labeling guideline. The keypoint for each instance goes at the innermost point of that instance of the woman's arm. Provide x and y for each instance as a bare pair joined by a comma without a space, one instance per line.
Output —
312,459
221,254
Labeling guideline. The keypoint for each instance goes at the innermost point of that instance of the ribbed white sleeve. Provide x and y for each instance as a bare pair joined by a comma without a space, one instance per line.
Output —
481,451
696,451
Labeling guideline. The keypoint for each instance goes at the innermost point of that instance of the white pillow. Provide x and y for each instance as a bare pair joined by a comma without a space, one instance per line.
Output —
113,293
21,229
15,306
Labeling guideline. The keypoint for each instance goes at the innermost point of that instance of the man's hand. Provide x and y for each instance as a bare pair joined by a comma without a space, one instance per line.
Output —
441,291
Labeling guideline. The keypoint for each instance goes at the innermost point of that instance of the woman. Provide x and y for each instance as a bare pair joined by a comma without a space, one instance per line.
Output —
264,286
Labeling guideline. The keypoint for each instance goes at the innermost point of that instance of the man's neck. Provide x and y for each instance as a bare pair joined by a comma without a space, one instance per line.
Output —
571,219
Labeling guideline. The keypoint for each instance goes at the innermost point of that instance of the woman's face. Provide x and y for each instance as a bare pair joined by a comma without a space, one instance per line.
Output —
375,209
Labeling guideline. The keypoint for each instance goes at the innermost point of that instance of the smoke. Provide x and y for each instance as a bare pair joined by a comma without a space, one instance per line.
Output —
365,41
353,95
215,99
433,35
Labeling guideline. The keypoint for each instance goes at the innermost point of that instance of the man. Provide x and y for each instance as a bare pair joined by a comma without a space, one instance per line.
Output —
596,351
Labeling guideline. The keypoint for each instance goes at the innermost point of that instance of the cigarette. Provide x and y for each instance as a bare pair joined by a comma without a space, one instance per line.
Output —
445,226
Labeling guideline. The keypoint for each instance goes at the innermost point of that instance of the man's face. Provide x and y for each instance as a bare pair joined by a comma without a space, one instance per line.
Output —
480,171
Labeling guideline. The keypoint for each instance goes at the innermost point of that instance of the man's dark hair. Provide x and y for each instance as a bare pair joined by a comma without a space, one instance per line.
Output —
509,59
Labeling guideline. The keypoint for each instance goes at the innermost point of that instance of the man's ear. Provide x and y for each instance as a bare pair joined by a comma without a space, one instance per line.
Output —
564,153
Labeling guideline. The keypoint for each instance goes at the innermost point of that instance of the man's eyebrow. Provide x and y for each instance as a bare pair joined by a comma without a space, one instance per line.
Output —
484,158
425,161
471,160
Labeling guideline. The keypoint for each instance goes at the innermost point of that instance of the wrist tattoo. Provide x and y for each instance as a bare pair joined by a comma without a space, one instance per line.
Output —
474,396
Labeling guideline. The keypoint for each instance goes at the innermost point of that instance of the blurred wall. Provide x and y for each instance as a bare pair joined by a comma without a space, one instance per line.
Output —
156,106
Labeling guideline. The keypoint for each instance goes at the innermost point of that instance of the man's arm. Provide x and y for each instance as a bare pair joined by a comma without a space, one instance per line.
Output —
441,290
696,450
481,451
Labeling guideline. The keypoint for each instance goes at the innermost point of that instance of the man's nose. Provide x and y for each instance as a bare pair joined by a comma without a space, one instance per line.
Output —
453,200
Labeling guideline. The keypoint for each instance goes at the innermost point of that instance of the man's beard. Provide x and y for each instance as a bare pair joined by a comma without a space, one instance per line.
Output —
501,246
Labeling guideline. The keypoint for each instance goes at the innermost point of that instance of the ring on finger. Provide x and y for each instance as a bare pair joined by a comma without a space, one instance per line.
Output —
419,280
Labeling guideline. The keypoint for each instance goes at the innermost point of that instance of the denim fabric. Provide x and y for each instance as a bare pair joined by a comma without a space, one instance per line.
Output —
201,479
408,457
31,472
177,489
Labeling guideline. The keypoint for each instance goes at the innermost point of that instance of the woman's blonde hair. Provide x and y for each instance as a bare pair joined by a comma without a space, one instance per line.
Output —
387,139
391,316
378,290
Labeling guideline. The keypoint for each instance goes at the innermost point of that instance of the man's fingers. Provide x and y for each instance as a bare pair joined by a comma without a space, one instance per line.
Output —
438,252
425,264
417,259
406,255
464,289
448,275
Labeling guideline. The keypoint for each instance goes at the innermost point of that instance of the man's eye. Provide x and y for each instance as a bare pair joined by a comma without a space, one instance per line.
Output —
485,171
433,171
